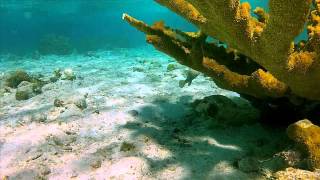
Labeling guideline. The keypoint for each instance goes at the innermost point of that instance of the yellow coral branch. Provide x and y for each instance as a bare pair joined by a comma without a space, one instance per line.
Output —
185,9
194,53
267,40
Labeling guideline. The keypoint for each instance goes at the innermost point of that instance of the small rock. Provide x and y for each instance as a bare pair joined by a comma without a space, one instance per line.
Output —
71,111
125,147
58,103
81,103
96,163
133,113
25,91
68,74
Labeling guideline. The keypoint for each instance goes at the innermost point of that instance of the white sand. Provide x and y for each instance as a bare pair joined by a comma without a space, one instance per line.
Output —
82,144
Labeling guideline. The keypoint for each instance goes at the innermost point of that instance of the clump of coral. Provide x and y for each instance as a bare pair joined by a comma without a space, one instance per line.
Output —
307,135
16,77
55,44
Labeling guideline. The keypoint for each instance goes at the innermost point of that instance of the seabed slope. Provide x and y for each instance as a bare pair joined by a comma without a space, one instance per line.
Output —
136,125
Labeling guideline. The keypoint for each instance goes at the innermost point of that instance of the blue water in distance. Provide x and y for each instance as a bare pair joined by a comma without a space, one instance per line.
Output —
89,24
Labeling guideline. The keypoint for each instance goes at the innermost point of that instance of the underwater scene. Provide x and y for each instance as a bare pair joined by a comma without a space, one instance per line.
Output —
160,89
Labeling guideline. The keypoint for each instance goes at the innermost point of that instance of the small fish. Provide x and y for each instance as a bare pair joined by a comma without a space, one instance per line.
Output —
191,75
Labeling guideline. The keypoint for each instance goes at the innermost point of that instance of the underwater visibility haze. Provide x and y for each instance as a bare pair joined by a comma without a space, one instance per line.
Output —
163,89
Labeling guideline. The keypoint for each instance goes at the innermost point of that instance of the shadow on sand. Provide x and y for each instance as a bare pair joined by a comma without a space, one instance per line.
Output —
203,150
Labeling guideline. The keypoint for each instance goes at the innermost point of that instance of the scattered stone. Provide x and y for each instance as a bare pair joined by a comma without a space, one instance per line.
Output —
291,173
58,103
249,164
126,147
133,113
96,163
70,111
25,91
81,103
68,74
307,135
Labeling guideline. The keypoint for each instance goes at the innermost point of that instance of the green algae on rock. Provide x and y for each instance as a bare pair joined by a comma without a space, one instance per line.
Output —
16,77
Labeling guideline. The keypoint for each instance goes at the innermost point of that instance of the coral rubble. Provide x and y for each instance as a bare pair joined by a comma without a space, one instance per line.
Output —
291,173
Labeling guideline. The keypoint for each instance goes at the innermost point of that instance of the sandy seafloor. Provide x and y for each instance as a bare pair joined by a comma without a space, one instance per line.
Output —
86,144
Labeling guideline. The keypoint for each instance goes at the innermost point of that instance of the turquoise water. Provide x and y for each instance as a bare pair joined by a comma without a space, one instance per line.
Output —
89,24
